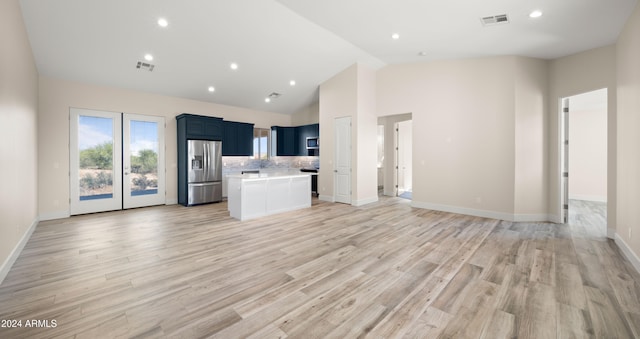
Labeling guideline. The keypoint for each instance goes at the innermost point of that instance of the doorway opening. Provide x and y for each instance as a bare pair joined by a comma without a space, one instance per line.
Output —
404,159
584,161
392,157
380,159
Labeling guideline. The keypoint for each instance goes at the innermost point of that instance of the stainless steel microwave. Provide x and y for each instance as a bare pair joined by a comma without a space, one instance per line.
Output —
312,143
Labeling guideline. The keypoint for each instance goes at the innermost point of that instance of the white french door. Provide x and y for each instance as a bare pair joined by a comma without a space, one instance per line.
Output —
116,161
143,161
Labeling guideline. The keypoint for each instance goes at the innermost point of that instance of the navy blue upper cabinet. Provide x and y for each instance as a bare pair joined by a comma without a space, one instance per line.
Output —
292,141
192,126
286,141
304,132
237,139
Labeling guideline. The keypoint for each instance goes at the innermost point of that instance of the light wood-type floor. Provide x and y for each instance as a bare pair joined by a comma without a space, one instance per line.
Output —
383,270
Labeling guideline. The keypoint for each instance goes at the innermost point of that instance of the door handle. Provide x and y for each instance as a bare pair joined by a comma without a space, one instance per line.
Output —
335,171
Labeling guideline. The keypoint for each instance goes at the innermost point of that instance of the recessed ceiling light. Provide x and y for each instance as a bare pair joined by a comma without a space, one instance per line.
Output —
162,22
234,66
292,82
211,89
267,100
148,57
395,36
535,14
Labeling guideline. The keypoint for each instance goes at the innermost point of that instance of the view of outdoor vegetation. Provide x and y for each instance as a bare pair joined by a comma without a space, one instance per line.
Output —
96,170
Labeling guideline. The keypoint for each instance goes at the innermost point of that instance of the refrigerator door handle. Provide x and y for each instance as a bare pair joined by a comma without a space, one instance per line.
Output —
206,161
208,145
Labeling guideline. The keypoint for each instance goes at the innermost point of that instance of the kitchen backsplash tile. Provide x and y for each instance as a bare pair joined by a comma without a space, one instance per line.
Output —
237,164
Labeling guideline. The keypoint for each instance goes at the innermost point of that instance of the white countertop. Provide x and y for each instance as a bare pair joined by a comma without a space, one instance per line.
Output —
270,174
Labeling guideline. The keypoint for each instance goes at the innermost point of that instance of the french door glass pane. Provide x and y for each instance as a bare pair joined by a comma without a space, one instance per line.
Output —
143,148
95,147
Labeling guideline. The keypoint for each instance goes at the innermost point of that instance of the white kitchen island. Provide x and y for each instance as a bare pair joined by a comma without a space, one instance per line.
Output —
255,195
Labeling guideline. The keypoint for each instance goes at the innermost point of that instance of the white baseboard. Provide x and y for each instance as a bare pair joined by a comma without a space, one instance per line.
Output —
588,198
484,213
611,233
628,253
54,215
11,259
556,219
462,210
361,202
65,214
328,198
531,218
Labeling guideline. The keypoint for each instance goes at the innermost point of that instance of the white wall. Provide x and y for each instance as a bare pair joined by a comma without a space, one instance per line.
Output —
338,98
579,73
352,93
628,138
308,115
18,135
463,154
531,124
56,96
366,127
587,151
479,133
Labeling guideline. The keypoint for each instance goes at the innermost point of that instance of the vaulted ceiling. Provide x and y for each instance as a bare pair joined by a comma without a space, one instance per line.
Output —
274,42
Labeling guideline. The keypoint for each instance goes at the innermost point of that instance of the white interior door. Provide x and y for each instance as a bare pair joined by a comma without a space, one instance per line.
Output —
95,145
342,171
405,174
565,160
116,161
143,160
396,160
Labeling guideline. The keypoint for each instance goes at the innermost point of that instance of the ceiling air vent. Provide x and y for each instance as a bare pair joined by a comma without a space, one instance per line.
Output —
495,20
274,95
147,66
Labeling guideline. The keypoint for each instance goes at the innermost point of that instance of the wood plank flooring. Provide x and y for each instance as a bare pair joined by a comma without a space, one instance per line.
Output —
383,270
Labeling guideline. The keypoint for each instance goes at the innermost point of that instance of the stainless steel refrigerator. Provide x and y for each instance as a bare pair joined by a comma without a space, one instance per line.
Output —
204,171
